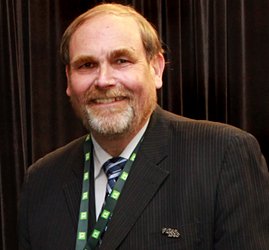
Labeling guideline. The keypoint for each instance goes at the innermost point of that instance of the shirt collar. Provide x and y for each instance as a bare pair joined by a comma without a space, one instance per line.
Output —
101,156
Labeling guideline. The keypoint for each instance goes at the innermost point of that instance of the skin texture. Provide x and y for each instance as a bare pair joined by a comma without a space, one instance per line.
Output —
111,83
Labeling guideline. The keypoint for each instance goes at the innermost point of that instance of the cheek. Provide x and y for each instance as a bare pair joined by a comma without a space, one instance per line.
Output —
142,86
78,85
146,84
143,93
134,80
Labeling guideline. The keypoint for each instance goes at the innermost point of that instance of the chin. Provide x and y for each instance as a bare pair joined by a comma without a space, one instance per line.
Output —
110,123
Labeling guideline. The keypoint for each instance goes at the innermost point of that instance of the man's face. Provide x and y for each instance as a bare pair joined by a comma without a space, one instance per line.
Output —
111,84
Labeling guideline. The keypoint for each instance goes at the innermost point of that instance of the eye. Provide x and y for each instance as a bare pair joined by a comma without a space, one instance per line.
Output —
88,65
121,61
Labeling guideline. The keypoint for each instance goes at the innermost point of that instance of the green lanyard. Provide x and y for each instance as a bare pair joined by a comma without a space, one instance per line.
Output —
82,230
89,242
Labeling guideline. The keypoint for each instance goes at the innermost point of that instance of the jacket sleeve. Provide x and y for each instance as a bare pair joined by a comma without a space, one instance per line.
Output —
242,202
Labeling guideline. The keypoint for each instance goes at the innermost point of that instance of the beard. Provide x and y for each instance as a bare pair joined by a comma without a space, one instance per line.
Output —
109,122
115,120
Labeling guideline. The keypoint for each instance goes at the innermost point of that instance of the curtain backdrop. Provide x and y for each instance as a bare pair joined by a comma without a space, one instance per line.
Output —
217,69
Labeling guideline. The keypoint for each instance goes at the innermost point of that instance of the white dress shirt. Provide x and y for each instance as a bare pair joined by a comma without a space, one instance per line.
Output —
100,156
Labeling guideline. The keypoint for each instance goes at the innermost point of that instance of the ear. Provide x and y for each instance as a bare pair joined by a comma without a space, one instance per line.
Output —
158,64
67,73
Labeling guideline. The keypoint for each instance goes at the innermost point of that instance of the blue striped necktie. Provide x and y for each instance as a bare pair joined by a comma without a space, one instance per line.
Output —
113,168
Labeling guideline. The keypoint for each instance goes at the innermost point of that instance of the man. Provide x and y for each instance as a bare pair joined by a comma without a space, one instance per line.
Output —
186,185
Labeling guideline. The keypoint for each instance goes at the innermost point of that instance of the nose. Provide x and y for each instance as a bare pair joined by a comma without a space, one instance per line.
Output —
105,77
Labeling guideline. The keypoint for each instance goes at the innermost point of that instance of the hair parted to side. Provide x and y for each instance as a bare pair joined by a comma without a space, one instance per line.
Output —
149,35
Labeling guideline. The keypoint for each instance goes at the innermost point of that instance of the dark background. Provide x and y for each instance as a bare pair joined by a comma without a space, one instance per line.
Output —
217,69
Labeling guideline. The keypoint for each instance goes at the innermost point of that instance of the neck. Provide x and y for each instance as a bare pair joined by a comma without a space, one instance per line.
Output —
114,145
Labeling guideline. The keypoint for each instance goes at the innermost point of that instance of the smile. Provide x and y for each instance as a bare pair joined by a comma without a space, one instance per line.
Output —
108,100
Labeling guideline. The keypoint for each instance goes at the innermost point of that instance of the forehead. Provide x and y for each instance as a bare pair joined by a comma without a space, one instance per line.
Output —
107,31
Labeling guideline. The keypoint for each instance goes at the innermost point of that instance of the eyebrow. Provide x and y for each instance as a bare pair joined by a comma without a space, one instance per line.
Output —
82,59
123,52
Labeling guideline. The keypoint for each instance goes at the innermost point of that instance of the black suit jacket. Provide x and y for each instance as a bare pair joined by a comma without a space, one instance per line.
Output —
207,181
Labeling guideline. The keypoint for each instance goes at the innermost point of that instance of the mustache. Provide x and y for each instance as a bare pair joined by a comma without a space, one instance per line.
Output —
94,94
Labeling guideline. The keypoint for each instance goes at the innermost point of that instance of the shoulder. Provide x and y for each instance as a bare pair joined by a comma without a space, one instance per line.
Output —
59,157
199,130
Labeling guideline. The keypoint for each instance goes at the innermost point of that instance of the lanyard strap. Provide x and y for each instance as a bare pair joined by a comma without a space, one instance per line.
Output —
84,202
89,242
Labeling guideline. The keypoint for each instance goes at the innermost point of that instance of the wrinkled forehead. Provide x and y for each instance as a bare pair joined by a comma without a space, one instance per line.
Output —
103,21
106,32
107,27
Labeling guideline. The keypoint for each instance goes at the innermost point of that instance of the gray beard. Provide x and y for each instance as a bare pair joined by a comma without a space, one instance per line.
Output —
120,123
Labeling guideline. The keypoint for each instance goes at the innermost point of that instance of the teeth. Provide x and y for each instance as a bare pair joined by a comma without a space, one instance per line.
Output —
108,100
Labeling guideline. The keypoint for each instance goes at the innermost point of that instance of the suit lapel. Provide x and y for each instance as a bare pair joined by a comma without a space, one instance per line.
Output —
72,191
145,178
72,188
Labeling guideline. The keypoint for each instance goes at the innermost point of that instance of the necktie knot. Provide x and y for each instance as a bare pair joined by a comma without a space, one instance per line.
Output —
112,169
